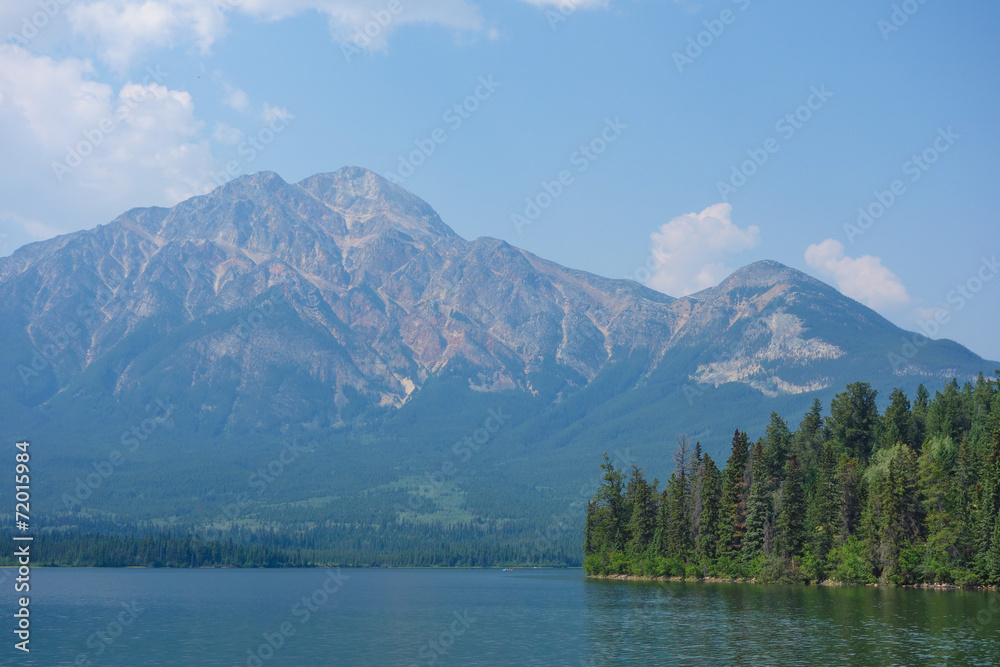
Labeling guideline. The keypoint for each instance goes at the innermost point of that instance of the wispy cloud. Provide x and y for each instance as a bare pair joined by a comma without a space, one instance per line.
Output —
121,30
864,278
690,250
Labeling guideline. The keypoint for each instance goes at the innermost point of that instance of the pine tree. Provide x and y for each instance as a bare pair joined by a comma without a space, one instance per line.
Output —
946,416
823,514
758,521
790,529
642,523
851,496
936,465
809,439
987,519
853,418
734,489
920,403
898,423
710,521
677,525
777,444
610,520
891,515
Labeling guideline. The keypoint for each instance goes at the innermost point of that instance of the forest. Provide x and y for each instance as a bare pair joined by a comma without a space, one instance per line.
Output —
907,497
105,543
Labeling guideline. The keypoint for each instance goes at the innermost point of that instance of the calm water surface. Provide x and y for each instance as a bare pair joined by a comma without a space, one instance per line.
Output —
484,617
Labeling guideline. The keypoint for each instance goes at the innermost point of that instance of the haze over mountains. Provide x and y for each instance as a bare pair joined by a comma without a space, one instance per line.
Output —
343,311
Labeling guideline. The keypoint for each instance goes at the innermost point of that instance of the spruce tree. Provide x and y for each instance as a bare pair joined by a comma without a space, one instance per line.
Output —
790,529
809,439
851,496
853,418
823,514
678,522
710,521
898,423
734,488
777,444
642,522
758,508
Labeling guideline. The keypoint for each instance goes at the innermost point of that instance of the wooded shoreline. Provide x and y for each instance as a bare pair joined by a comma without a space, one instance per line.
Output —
910,497
825,582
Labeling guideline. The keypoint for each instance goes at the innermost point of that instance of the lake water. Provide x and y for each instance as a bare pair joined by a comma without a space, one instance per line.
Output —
484,617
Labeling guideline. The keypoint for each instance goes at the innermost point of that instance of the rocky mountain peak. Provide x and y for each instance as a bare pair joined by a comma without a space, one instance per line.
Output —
370,203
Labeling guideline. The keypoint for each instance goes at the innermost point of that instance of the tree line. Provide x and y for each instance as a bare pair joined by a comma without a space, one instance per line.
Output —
908,496
105,543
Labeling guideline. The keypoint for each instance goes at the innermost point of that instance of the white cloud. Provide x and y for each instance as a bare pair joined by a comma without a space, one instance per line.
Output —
690,250
238,99
122,29
227,134
76,148
570,4
270,113
232,96
864,279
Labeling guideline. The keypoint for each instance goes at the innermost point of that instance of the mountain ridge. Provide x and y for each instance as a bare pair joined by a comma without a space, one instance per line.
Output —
343,310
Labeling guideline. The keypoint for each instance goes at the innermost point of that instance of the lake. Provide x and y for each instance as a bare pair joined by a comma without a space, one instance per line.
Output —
484,617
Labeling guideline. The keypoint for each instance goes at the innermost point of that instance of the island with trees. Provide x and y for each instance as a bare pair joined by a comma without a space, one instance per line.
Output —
907,497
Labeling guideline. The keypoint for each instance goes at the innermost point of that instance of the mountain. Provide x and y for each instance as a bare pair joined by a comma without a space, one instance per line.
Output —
343,313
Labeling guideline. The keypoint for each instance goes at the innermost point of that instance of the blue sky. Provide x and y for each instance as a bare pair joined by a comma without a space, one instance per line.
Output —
667,141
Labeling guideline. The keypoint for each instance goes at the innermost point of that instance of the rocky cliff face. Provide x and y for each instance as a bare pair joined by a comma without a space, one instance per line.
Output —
345,288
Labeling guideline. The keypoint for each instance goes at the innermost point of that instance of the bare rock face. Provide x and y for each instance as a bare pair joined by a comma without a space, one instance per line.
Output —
345,288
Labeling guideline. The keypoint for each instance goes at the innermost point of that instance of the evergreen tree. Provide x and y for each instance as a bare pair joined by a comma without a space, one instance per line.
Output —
920,403
891,515
898,422
936,465
853,416
734,489
677,528
851,495
809,439
946,416
758,522
777,445
642,522
710,522
790,529
823,513
898,516
610,519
